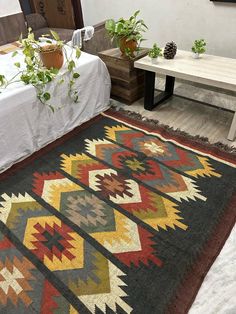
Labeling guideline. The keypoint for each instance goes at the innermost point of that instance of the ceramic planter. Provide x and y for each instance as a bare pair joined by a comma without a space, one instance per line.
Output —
130,44
52,56
196,55
154,60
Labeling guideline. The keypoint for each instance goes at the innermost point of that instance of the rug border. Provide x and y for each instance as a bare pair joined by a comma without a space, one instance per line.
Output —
191,284
216,150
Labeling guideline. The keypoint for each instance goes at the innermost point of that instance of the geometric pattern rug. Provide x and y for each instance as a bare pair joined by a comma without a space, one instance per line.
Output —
118,216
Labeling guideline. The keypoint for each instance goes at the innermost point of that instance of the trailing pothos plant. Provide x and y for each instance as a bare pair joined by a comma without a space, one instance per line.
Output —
33,72
129,30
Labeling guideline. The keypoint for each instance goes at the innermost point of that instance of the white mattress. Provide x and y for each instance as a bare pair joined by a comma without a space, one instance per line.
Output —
26,125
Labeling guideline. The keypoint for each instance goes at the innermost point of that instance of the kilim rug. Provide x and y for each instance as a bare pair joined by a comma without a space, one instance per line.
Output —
118,216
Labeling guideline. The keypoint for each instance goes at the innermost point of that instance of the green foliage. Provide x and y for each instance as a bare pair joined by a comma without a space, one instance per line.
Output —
155,52
36,74
199,46
131,29
71,65
77,52
17,64
14,53
2,80
76,75
46,96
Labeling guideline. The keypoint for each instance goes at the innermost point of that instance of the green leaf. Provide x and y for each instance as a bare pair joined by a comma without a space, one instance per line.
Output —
46,96
31,36
54,70
76,75
52,108
136,13
78,52
71,83
110,25
25,78
17,64
2,79
61,81
119,27
28,61
14,54
55,35
49,77
71,65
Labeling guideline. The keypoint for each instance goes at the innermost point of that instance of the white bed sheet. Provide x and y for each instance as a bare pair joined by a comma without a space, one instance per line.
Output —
26,125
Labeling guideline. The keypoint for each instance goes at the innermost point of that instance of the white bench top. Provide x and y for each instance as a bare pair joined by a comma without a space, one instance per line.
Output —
209,70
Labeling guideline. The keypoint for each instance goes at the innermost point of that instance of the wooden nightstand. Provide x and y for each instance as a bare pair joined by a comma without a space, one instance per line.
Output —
127,82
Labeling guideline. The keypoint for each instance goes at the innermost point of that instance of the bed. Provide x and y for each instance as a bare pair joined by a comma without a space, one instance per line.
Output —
27,125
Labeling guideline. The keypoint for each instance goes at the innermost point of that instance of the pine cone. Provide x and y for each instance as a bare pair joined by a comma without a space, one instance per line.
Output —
170,50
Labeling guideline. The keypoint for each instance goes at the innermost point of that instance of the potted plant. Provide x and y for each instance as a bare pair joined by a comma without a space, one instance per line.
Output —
42,64
52,56
198,48
127,33
154,53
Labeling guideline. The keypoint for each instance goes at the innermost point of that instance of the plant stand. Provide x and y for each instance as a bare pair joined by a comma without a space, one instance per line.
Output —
127,82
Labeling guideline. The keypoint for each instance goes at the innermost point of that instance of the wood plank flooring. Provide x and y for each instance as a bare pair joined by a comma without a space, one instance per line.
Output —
190,115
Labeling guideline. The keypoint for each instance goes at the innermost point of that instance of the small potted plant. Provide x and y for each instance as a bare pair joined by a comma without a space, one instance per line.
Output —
127,33
198,48
154,53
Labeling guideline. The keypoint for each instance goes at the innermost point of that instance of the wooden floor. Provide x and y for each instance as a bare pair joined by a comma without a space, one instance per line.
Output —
191,116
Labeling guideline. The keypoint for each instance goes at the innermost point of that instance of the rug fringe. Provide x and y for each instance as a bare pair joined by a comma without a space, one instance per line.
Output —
151,122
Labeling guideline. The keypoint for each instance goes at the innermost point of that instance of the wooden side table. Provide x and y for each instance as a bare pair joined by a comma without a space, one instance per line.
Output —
127,82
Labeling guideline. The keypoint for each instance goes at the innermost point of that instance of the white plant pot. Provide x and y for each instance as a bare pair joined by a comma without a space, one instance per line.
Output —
196,55
154,60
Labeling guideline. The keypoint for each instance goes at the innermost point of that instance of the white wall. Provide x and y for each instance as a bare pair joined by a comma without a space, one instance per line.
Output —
8,7
178,20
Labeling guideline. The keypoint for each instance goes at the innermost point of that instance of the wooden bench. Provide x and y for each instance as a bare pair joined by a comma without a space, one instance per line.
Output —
208,70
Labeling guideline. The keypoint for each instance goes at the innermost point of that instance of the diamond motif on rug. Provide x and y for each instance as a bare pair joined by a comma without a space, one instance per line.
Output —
171,155
23,288
15,277
66,253
105,291
54,243
120,235
146,170
148,206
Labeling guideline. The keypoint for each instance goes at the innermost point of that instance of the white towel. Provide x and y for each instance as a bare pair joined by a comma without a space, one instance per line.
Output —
77,35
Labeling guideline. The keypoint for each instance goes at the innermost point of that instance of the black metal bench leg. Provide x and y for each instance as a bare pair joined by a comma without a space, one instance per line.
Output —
150,101
149,90
170,85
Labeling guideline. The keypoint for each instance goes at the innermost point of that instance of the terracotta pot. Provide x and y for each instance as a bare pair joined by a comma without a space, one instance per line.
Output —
52,56
130,44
